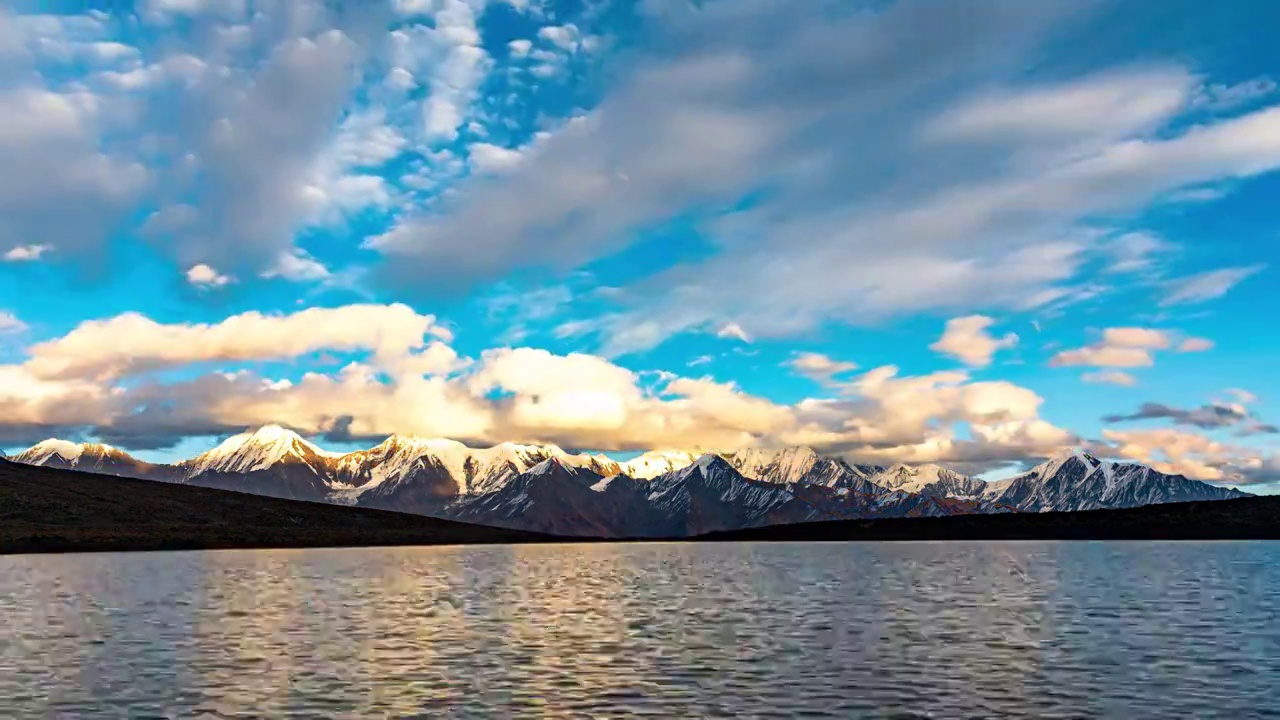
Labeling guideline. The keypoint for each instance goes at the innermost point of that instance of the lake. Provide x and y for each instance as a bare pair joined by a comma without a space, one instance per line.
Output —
948,630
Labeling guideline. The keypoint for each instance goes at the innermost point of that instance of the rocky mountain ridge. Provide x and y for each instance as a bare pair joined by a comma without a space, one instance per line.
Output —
663,493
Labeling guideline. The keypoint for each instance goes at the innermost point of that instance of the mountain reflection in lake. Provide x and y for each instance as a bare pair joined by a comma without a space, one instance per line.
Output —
1124,630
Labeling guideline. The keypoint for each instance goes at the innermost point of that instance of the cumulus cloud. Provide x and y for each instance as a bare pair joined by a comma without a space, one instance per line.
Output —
1195,345
256,153
967,339
486,157
519,48
1110,377
298,266
1104,356
448,54
885,417
204,276
566,37
818,366
104,378
26,253
9,323
734,331
1194,455
131,343
1135,337
1120,347
55,137
1126,347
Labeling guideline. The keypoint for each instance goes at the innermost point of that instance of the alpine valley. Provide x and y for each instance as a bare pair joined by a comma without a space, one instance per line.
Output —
659,494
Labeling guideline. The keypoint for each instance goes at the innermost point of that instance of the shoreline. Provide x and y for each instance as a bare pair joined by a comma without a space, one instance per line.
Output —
48,511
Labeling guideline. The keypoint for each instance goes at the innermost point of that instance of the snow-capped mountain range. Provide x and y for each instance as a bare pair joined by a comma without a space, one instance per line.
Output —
664,493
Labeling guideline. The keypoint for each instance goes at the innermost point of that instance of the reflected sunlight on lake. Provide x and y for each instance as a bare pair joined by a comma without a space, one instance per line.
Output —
1124,630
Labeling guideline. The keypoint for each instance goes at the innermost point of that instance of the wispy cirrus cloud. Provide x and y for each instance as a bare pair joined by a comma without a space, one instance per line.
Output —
1208,285
963,235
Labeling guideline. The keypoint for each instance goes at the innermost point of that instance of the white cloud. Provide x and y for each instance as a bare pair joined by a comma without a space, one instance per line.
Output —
1121,347
450,59
297,266
176,68
416,383
1092,112
344,178
1218,97
1195,455
1103,356
519,48
891,419
191,7
132,343
400,79
967,339
566,37
54,138
1136,337
819,367
1195,345
26,253
1110,377
9,323
1242,396
365,139
261,151
994,214
492,158
1135,252
733,331
204,276
1206,286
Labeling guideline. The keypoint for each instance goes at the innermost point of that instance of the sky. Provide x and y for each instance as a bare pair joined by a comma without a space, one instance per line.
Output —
897,231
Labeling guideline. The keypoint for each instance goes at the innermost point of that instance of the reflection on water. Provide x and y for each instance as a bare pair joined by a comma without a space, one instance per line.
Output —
1124,630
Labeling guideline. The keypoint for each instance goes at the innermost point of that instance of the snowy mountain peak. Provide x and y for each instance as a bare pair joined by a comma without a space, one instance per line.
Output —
709,467
413,441
902,475
273,433
784,465
253,451
1065,459
90,457
549,466
45,450
709,461
929,479
657,462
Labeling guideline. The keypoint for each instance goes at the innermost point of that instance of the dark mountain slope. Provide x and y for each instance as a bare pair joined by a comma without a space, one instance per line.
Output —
1251,518
51,510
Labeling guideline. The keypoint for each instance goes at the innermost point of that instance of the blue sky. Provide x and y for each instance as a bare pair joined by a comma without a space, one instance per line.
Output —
969,233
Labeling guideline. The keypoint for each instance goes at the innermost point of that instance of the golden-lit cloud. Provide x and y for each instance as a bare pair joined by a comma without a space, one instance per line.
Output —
133,343
967,340
1126,347
101,376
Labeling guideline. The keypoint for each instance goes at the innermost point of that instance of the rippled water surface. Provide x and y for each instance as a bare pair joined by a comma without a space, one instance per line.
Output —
948,630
